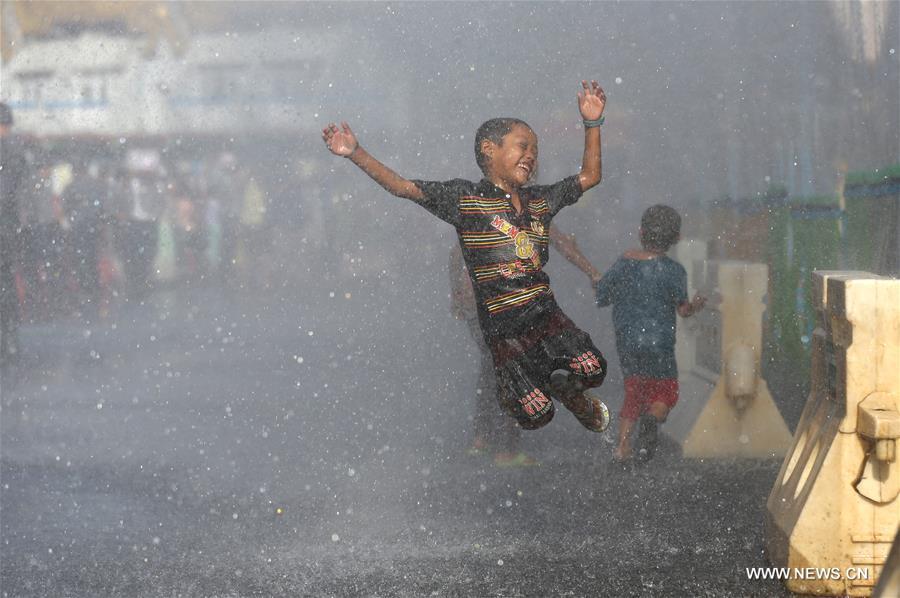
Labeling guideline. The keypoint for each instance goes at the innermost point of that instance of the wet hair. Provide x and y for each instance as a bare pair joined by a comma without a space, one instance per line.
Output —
660,227
493,130
6,117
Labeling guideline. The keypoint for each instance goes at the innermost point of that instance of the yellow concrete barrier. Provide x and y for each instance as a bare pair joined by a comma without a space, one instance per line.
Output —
691,254
835,503
725,409
889,580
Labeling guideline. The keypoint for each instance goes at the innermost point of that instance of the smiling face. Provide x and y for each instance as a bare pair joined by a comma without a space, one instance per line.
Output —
512,162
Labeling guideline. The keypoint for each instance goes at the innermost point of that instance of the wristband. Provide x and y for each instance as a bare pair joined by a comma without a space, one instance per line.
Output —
590,124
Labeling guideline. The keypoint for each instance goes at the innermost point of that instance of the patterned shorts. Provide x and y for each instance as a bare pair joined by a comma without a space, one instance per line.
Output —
523,366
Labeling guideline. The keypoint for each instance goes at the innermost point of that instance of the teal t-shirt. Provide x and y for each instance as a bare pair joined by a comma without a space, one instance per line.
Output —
644,295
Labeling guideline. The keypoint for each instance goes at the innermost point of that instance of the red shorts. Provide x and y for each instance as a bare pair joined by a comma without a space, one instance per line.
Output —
641,392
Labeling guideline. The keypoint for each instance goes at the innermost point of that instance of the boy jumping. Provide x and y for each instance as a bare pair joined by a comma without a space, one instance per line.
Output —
503,229
494,431
646,289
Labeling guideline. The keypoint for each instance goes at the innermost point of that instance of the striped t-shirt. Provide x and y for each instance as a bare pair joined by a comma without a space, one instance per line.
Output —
504,252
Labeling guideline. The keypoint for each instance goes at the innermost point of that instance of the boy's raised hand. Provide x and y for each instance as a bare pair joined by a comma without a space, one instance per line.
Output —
698,302
340,142
689,308
591,100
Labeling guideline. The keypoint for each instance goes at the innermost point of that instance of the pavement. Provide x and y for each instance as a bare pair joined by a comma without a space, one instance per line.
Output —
205,444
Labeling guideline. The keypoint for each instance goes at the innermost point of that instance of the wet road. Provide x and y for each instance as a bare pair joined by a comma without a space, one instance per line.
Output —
203,445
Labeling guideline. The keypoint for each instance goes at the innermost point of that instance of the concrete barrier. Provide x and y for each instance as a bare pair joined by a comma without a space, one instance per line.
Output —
835,503
725,408
889,580
691,254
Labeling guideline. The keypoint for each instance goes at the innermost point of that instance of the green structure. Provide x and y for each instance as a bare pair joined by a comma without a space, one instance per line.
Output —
805,234
826,233
873,221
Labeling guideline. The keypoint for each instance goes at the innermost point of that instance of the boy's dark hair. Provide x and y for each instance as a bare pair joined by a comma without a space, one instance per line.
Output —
493,130
660,227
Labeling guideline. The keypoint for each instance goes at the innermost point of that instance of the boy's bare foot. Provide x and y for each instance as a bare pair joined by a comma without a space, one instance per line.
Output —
622,454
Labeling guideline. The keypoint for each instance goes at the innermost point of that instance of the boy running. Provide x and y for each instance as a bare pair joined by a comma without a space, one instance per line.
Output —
503,229
646,289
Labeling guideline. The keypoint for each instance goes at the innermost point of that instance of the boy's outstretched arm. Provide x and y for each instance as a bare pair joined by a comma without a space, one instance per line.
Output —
342,142
591,103
567,246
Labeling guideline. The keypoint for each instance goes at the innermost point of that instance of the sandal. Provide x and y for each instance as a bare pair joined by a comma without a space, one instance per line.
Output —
568,387
598,418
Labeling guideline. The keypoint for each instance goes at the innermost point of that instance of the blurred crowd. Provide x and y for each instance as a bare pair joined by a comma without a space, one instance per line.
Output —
93,233
86,231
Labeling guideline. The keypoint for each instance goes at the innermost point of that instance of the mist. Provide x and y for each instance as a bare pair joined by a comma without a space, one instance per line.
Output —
291,418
